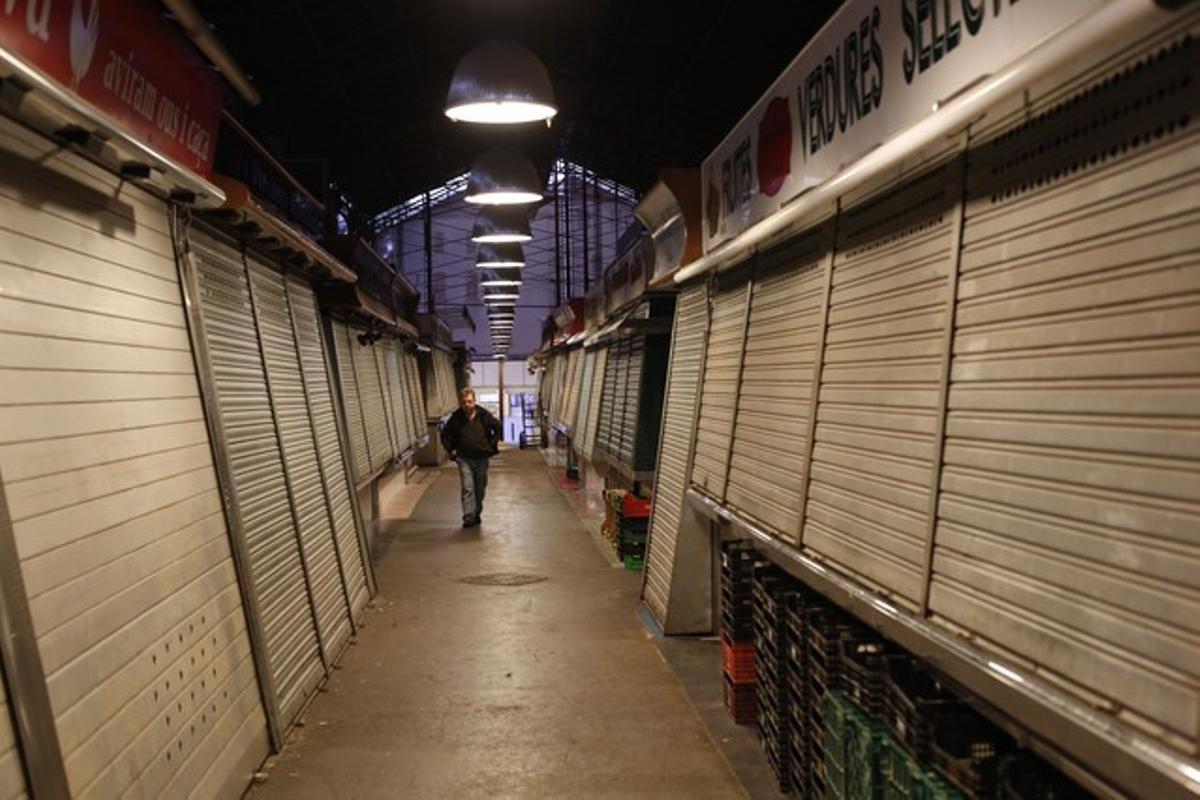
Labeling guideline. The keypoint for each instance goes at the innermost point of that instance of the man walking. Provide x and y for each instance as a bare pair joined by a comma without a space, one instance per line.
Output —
471,436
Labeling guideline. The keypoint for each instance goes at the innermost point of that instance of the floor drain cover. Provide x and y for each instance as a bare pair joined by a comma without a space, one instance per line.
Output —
503,579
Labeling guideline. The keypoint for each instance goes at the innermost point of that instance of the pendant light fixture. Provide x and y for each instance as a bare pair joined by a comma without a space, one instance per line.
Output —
505,278
500,256
500,83
503,176
501,225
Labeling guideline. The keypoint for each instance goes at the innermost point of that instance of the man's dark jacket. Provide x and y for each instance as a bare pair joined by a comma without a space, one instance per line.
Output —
452,433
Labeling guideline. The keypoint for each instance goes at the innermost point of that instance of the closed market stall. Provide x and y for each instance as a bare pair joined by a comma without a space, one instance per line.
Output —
243,315
954,392
680,404
137,670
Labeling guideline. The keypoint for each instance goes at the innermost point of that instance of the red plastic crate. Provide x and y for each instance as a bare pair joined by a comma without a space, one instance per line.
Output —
740,702
635,507
738,660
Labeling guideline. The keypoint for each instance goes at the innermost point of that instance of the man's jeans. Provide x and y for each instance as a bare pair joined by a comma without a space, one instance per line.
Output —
473,473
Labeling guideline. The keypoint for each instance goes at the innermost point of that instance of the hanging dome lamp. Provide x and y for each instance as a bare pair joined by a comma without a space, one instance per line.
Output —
503,176
500,83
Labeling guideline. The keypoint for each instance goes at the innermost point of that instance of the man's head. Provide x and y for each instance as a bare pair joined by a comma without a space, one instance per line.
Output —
466,398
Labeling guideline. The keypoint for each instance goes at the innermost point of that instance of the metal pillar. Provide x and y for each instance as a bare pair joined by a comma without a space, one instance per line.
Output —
599,220
430,302
587,263
558,178
567,229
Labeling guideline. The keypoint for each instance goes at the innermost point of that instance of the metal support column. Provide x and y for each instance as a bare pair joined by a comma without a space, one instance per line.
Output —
567,231
558,179
587,262
430,302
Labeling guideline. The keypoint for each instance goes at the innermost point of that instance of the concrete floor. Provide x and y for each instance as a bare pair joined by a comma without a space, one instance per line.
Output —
460,690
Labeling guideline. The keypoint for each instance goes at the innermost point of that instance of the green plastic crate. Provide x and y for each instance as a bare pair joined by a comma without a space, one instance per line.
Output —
634,562
905,779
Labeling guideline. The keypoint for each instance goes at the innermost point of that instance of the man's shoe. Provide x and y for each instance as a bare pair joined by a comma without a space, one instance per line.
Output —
470,522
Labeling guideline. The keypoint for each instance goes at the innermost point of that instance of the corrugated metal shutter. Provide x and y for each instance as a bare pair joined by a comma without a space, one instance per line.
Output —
412,372
873,454
1070,506
328,442
395,445
571,396
579,423
770,433
599,373
608,401
351,402
370,394
627,430
447,383
12,777
398,397
277,572
441,395
675,446
303,470
109,481
718,394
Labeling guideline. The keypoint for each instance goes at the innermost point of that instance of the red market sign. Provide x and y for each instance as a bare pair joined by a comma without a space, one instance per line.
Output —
122,57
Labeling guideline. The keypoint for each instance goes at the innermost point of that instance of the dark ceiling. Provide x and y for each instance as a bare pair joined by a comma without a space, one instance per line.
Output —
354,90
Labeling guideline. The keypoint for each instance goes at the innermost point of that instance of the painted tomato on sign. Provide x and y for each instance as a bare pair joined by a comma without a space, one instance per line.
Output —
774,146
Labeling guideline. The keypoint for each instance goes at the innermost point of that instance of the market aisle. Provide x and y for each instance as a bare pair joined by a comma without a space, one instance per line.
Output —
461,690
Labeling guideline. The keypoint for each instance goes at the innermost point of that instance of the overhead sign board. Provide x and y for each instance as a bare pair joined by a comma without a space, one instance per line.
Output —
876,68
124,59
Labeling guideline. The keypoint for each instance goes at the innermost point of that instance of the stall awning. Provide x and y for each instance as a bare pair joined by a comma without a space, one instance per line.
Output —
255,221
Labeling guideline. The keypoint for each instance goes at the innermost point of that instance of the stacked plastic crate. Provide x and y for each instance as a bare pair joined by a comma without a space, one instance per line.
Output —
632,521
774,593
844,713
738,562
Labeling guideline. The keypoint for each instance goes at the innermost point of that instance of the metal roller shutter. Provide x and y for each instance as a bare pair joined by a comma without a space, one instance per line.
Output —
770,433
621,401
599,372
626,437
435,387
675,446
718,394
879,398
398,397
413,374
551,398
256,464
328,442
571,395
306,489
109,481
395,445
608,401
1069,520
449,389
560,386
342,342
12,776
579,423
370,395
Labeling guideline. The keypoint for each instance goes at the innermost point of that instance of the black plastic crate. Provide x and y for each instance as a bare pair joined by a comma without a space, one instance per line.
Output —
915,703
967,751
861,666
1024,776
